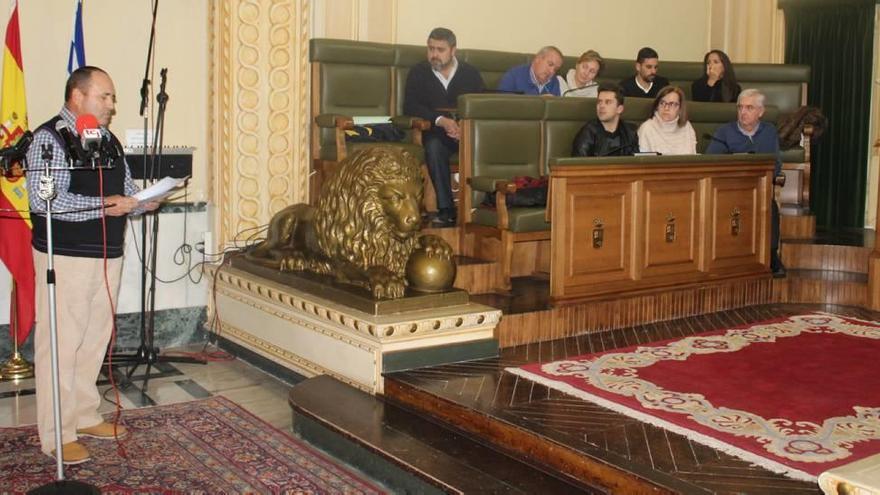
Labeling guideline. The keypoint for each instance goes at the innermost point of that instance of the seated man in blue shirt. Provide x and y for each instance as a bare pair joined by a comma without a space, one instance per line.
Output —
749,134
537,77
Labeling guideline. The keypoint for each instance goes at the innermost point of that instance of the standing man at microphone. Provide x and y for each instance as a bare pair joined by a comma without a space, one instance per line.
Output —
88,228
750,134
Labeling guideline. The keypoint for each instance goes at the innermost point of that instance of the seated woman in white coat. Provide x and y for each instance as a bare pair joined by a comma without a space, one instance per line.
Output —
581,81
668,131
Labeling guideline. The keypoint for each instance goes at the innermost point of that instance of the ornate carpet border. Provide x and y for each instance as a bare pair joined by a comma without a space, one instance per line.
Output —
698,437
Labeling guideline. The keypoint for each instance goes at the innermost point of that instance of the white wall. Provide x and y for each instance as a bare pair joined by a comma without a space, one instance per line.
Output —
677,29
116,37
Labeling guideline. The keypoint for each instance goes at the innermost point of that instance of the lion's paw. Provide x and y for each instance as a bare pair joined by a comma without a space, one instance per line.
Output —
387,285
293,262
436,247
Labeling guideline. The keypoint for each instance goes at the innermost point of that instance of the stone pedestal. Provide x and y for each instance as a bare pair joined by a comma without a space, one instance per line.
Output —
314,335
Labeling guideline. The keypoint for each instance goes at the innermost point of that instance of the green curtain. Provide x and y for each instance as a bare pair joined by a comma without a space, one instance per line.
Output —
835,38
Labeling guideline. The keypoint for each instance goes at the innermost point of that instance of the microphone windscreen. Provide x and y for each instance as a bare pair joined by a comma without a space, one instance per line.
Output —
86,121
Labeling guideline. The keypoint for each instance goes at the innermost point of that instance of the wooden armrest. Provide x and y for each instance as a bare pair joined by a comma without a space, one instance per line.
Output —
340,123
503,216
505,187
407,122
337,121
415,124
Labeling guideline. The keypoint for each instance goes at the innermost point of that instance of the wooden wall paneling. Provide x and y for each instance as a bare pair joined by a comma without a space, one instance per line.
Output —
797,226
626,310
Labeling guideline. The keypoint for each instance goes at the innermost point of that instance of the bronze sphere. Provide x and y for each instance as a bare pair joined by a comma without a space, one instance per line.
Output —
429,274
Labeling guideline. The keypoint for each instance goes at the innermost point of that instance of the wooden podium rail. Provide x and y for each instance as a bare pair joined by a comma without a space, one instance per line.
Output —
631,226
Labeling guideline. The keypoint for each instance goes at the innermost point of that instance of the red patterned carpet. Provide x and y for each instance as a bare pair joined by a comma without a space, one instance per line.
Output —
207,446
797,395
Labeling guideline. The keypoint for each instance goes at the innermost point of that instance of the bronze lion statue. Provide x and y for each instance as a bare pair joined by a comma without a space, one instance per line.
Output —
364,228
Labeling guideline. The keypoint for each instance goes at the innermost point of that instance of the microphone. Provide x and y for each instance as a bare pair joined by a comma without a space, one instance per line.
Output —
612,151
18,150
727,146
96,146
71,145
88,129
572,90
710,137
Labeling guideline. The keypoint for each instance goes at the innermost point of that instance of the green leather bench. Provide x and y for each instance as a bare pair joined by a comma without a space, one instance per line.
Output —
356,79
505,136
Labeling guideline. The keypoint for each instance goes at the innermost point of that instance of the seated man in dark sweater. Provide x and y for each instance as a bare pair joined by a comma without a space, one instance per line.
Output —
645,83
432,90
749,134
607,135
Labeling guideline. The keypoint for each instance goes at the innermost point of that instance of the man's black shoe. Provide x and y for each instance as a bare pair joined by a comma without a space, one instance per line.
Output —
443,222
445,218
776,267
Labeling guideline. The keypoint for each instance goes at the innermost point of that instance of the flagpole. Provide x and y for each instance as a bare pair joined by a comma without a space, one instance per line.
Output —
16,367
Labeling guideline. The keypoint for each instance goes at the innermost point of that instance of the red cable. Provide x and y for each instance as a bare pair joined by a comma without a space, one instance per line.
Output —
118,415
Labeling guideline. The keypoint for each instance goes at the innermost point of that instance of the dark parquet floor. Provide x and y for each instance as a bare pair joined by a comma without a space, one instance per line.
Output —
650,452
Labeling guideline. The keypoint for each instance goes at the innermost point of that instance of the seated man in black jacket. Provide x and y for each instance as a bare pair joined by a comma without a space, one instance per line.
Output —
607,135
432,89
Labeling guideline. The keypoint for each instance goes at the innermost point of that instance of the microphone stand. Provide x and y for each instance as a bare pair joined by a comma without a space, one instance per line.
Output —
147,353
572,90
60,485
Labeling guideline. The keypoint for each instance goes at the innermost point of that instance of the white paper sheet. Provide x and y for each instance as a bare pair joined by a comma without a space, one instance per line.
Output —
159,190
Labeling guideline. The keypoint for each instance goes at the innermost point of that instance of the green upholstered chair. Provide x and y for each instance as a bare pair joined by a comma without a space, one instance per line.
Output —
501,139
352,79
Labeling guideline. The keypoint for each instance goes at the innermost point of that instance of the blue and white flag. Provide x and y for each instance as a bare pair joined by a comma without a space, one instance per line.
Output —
77,56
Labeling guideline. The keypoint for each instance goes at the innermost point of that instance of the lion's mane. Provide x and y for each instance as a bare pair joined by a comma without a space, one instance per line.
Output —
349,220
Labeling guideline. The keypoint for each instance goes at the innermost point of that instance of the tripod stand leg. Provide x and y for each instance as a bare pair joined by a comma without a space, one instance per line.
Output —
131,372
146,378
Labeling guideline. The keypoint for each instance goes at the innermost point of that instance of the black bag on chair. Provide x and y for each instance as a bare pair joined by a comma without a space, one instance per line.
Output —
529,192
374,133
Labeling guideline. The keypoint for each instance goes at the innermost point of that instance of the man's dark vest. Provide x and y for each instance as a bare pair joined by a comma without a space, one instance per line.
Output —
84,239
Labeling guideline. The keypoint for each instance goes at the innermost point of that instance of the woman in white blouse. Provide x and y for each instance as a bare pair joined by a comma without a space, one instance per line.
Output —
581,80
668,131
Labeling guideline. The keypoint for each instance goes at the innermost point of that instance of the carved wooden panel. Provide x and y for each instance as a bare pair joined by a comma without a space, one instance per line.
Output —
598,233
736,237
670,217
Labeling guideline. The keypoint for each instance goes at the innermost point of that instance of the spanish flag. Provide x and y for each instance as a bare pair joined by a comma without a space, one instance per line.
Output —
15,223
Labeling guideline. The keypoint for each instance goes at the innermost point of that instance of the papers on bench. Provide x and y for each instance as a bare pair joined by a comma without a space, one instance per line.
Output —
367,120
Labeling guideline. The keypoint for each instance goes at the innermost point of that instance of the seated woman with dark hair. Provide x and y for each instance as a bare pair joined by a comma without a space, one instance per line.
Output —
668,131
718,84
581,80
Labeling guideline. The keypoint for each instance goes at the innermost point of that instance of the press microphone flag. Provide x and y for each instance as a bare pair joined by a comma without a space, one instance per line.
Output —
89,131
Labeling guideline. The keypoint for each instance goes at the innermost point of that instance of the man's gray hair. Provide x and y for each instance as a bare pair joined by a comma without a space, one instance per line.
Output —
749,93
443,34
547,49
